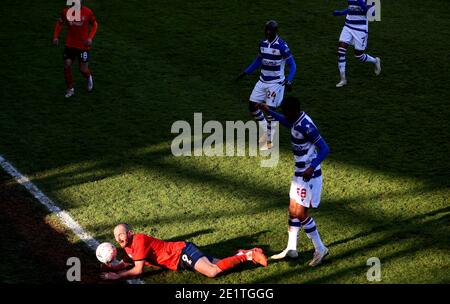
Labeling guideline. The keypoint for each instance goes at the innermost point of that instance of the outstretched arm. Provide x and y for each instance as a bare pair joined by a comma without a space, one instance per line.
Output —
340,12
135,271
255,64
279,117
120,266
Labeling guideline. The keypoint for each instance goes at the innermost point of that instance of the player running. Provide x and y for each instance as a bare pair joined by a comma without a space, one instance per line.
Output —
310,149
355,32
144,250
273,54
78,43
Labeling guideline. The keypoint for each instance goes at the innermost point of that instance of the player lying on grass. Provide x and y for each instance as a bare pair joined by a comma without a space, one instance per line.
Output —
273,54
355,32
310,149
78,44
145,250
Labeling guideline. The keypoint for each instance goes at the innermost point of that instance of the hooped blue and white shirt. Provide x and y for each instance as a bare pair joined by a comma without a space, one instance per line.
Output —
274,55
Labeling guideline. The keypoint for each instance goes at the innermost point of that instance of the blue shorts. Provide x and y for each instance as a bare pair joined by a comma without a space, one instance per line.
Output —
190,255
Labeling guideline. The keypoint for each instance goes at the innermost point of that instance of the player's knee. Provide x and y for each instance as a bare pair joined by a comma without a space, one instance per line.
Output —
293,212
298,212
302,215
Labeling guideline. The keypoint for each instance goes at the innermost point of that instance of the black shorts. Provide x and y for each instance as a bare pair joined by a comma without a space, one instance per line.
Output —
72,53
190,255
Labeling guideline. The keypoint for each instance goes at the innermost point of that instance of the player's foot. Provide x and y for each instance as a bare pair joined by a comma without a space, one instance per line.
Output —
263,138
318,257
378,66
69,93
341,83
256,255
266,146
286,252
90,84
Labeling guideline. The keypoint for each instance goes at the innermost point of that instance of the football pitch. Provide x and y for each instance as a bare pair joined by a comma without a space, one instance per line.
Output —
105,157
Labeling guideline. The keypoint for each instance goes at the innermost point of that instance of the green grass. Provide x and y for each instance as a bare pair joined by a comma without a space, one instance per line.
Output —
105,157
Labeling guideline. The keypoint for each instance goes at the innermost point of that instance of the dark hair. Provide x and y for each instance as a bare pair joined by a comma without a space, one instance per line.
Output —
271,25
290,104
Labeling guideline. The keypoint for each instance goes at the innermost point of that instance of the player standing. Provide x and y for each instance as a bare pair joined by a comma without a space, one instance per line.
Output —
78,43
145,250
272,56
355,32
309,149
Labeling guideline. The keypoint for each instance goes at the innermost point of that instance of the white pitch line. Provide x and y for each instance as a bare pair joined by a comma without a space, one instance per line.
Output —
65,217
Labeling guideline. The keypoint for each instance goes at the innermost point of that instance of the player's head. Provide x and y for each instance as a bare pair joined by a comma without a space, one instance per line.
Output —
271,29
291,108
123,234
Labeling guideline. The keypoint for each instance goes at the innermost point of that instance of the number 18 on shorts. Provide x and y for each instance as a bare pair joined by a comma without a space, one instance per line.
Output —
304,193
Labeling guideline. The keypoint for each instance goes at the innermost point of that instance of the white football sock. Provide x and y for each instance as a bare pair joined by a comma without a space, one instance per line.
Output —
311,231
294,228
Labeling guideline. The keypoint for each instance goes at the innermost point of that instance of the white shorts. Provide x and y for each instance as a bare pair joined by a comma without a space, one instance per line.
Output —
356,38
304,193
269,93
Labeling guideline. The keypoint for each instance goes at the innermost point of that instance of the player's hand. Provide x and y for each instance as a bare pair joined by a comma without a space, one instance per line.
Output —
88,42
240,76
308,174
109,276
288,85
55,41
337,13
263,107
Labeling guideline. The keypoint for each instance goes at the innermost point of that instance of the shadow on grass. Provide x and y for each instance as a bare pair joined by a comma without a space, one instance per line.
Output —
34,249
425,233
186,237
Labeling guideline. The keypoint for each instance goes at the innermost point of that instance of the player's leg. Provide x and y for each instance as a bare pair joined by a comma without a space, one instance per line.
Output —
84,69
345,39
193,259
258,95
303,196
311,192
310,228
342,62
211,267
274,97
205,267
271,128
360,47
294,221
294,226
69,57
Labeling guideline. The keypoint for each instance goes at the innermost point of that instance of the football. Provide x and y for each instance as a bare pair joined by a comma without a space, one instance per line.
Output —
106,252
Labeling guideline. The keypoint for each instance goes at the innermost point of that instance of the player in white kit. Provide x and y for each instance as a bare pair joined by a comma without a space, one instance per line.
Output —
355,32
309,149
273,54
